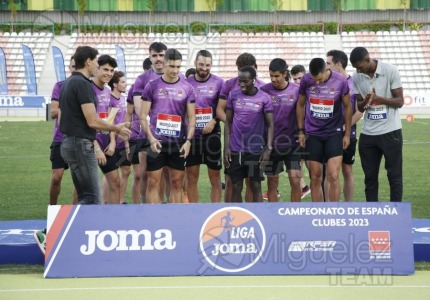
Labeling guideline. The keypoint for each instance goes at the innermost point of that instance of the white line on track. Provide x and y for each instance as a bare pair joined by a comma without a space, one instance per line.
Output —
415,143
215,287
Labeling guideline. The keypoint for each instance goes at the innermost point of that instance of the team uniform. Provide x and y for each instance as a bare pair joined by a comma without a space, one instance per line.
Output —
349,153
146,77
324,116
121,104
233,84
206,148
248,130
137,140
103,96
285,144
57,161
142,80
167,120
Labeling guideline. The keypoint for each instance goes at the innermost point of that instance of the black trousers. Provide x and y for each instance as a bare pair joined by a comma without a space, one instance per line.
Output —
371,149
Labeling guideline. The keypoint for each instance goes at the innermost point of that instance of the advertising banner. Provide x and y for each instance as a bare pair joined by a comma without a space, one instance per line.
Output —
60,71
24,101
224,239
120,59
3,74
30,70
416,100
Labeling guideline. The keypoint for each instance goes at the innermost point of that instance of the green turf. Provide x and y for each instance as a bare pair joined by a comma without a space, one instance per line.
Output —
26,171
33,286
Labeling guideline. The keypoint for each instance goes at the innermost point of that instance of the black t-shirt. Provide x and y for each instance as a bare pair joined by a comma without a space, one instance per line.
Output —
76,90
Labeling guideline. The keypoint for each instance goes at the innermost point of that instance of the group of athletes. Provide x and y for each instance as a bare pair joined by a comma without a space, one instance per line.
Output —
173,124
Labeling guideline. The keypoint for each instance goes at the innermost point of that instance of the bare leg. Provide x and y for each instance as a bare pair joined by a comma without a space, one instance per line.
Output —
192,178
176,182
152,192
332,174
55,187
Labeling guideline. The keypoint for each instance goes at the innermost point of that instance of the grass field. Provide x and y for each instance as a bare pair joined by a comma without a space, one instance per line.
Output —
211,288
24,181
26,170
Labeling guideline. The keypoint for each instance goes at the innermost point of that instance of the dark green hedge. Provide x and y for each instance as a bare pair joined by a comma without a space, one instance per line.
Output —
201,28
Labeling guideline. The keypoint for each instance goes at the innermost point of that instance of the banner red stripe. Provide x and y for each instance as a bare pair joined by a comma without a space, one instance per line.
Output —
57,228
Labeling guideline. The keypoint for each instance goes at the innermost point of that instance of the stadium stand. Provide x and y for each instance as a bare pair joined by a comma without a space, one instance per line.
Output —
135,46
408,50
38,42
295,48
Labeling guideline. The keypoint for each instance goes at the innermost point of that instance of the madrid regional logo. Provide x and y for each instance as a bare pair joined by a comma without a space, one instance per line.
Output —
232,239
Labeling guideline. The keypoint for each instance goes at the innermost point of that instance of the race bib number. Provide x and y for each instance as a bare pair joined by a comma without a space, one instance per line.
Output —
321,108
103,115
203,116
168,125
377,112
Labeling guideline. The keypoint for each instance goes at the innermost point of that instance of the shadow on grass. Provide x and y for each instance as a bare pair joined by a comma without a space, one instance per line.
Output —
22,269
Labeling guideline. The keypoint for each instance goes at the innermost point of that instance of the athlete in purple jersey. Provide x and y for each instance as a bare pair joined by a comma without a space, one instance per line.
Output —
324,92
206,145
286,150
337,61
168,101
57,162
243,60
118,86
156,55
105,143
137,143
246,149
297,73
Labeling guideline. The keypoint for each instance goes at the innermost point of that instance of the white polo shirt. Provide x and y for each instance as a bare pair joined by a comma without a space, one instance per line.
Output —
379,118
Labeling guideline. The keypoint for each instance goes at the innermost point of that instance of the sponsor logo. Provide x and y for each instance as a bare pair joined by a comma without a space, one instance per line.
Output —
127,240
232,239
160,92
311,246
380,244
